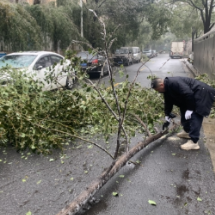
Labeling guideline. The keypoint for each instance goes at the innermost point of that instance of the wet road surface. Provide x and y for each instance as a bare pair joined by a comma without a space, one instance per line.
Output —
179,182
160,66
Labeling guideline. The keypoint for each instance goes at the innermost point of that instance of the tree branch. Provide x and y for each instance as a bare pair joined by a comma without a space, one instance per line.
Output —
143,124
97,184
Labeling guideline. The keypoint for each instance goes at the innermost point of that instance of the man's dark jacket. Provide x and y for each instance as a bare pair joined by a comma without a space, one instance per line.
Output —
188,94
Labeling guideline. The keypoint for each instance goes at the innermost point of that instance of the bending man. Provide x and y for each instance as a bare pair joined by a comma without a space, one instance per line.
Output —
194,98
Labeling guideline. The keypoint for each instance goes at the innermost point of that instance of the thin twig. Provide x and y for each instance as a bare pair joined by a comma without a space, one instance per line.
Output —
143,124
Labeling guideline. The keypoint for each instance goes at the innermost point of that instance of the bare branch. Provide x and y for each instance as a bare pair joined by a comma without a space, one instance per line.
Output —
103,99
75,41
192,4
71,135
143,124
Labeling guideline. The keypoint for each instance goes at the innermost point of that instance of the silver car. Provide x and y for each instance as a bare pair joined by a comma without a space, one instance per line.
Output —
136,54
148,53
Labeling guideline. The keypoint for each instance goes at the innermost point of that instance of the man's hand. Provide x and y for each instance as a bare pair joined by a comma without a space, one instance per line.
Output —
168,119
188,114
172,115
166,125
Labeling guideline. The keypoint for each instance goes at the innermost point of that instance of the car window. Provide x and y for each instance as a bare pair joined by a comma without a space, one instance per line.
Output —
121,51
17,61
147,51
55,59
86,55
43,63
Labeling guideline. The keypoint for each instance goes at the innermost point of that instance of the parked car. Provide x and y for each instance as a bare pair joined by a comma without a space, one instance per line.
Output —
41,64
155,53
93,64
136,54
148,53
123,56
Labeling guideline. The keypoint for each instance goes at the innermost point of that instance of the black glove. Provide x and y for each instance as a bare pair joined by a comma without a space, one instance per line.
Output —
165,125
172,115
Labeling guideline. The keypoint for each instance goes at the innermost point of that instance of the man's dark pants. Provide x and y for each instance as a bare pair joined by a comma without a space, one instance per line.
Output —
193,125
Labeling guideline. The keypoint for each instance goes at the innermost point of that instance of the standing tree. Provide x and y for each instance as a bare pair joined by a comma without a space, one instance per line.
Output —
204,9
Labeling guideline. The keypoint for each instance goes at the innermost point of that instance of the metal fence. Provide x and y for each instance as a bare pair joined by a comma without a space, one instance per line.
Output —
204,54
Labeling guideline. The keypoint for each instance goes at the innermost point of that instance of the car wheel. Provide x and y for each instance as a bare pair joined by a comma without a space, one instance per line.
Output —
70,82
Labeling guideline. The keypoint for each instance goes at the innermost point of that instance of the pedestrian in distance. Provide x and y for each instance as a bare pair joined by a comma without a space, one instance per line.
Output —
193,97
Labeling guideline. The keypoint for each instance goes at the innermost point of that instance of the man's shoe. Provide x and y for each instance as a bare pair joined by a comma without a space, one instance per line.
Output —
189,145
183,134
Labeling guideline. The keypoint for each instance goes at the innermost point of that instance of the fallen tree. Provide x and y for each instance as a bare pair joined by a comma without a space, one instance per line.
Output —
97,184
123,110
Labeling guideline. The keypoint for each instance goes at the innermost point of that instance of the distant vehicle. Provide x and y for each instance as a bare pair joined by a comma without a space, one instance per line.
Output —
177,50
123,56
155,53
136,54
148,53
93,64
40,64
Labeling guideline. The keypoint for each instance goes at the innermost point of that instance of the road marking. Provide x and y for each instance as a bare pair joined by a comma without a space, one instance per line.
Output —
115,85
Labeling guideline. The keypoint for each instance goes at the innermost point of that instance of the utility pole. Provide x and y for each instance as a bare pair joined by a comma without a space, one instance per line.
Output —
81,4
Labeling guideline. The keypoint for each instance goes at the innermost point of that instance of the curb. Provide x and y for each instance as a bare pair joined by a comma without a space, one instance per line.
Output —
191,68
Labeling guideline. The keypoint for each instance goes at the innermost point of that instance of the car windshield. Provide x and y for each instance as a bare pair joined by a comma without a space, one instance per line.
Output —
121,51
85,55
17,61
146,51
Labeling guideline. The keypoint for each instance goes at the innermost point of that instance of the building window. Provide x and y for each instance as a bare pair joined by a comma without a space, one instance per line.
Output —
36,1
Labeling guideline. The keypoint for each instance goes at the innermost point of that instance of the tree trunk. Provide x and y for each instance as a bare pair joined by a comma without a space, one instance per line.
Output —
206,26
97,184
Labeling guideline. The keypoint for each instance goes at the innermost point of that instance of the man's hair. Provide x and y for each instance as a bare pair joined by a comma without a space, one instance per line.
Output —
155,82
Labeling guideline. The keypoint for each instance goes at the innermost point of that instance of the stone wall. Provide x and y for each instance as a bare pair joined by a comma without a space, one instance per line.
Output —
204,54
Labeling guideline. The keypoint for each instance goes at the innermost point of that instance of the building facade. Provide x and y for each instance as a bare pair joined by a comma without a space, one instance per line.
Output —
31,2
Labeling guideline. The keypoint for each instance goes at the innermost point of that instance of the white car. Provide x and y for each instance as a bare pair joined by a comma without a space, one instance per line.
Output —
40,64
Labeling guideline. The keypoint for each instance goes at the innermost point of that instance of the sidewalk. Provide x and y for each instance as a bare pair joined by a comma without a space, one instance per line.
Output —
208,124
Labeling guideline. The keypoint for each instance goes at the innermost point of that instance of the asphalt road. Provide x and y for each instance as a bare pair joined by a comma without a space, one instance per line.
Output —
179,182
160,66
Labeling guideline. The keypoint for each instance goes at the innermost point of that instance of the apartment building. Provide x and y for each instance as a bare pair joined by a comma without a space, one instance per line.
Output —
32,1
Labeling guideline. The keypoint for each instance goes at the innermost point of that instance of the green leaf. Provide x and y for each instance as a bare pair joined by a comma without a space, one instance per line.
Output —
72,179
86,172
23,180
199,199
90,147
121,176
115,194
39,182
22,135
51,159
28,213
78,147
173,154
151,202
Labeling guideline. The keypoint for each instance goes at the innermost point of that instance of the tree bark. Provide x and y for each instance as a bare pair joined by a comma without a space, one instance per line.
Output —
97,184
